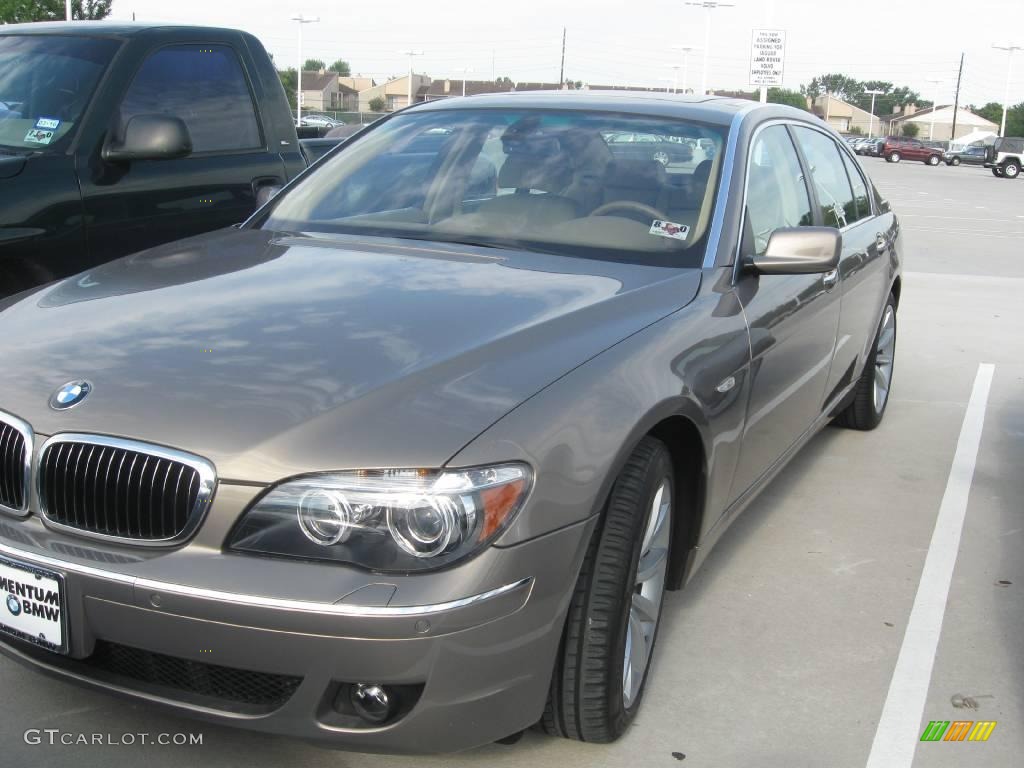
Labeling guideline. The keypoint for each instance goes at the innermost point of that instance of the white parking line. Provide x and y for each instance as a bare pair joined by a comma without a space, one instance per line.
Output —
897,734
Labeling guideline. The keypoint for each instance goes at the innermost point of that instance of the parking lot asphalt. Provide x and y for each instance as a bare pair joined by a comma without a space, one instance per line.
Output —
783,649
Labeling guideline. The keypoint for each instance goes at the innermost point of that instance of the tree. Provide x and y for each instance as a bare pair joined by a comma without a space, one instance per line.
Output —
991,111
786,96
910,130
341,67
313,65
841,86
290,81
377,104
20,11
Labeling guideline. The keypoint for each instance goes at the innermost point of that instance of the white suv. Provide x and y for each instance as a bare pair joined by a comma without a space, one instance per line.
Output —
1006,157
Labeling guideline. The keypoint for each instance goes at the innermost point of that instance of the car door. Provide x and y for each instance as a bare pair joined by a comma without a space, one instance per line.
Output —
792,318
841,194
134,205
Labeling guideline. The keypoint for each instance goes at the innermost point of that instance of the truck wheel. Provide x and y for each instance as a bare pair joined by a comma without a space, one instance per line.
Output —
872,391
933,160
954,161
997,172
894,157
615,610
1011,169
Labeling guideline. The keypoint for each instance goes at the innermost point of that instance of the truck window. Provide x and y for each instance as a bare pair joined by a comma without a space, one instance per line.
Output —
203,85
46,82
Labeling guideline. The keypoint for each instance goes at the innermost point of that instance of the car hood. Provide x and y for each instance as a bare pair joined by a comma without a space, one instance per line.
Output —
273,354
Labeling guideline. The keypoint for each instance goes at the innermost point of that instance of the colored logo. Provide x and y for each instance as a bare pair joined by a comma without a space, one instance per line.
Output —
13,605
958,730
70,395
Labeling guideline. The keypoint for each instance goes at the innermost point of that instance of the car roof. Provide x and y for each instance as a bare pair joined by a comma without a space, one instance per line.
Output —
108,28
709,109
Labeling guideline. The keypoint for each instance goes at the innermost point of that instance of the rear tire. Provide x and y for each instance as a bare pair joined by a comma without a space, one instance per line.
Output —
955,161
1011,170
871,394
933,160
998,172
894,157
600,673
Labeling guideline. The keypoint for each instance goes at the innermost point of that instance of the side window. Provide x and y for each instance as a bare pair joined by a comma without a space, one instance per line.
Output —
203,85
860,189
835,196
776,193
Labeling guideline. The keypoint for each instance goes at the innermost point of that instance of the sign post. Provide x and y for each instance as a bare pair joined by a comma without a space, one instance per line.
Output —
767,58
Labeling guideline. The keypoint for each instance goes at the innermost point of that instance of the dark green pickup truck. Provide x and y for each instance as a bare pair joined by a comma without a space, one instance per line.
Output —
118,137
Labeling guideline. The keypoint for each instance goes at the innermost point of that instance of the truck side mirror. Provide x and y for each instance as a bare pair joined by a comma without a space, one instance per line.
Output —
150,137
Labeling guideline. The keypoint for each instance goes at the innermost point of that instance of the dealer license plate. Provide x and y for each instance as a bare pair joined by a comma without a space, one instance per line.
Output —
32,605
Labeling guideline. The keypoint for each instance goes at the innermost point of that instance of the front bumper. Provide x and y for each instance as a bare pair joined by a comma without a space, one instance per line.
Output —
482,654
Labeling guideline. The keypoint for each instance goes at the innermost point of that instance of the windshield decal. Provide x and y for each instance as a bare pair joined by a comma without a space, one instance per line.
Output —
37,136
47,123
669,229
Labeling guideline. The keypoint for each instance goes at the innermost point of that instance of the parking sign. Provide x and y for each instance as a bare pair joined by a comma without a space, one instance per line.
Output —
767,57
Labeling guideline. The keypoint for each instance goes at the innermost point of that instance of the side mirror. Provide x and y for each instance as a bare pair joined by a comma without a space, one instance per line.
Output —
800,251
150,137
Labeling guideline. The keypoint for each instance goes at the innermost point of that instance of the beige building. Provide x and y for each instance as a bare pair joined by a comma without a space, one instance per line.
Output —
320,91
936,124
356,83
395,93
847,118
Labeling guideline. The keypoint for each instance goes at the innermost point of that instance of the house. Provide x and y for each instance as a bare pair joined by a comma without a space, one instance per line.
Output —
936,123
395,93
443,89
847,118
356,83
320,91
348,98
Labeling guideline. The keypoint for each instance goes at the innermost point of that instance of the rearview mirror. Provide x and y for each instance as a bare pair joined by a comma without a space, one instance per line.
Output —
800,251
150,137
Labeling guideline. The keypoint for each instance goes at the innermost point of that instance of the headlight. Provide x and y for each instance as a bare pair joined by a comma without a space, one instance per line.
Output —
385,520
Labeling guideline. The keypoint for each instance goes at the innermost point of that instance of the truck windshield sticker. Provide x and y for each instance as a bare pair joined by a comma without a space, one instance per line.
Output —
48,123
39,136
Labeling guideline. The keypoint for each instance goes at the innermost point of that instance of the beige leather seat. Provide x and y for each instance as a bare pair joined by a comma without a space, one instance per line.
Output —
639,181
529,175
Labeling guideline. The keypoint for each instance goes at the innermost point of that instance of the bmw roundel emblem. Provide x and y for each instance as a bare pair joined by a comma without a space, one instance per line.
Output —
13,605
70,395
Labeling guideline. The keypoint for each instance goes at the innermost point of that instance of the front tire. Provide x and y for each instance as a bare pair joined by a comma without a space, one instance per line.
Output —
933,160
871,394
1011,170
894,157
955,161
613,620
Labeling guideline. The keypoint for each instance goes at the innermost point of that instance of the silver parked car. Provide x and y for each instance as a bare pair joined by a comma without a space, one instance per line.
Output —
407,461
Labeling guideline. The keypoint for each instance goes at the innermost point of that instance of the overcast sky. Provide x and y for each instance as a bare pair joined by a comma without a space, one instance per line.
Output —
631,42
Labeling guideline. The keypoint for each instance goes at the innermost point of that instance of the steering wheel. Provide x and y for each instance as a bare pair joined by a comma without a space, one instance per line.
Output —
631,206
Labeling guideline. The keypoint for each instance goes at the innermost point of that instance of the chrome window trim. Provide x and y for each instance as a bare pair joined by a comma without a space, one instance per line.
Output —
273,603
737,256
25,430
725,185
207,485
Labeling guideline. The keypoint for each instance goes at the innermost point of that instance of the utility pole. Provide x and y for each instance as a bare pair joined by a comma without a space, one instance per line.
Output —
708,6
956,98
410,54
465,71
561,73
1009,71
871,121
302,20
769,13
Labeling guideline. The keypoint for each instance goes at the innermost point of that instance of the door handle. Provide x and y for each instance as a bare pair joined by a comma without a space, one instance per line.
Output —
830,279
881,243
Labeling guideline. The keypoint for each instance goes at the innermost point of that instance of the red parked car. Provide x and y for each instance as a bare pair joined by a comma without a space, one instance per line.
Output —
896,149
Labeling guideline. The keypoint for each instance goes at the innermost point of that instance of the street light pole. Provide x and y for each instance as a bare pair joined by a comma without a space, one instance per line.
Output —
871,121
931,127
708,6
67,9
410,54
302,20
686,49
464,73
1009,71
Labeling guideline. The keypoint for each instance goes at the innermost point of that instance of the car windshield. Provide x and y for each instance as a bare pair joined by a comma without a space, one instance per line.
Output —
45,85
544,180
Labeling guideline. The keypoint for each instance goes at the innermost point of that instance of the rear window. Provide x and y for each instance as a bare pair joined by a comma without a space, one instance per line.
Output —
610,186
1010,144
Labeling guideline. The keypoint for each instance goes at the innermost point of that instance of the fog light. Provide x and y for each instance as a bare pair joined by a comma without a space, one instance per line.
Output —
372,703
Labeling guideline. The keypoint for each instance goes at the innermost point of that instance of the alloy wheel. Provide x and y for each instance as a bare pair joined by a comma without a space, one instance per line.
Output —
884,356
645,602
